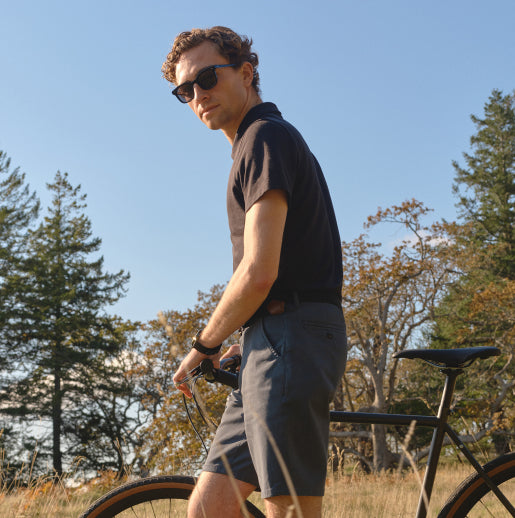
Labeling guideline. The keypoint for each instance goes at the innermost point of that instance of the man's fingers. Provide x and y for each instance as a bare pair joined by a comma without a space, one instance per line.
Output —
232,351
179,376
185,390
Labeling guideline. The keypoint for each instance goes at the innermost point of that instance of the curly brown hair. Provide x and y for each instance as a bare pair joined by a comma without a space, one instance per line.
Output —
236,48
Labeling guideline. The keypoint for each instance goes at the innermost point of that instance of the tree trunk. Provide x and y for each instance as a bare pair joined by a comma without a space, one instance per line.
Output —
501,440
57,422
381,453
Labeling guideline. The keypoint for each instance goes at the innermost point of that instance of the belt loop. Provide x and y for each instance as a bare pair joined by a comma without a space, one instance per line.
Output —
296,299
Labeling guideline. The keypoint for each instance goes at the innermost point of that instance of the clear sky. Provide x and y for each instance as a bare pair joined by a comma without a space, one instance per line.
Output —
382,91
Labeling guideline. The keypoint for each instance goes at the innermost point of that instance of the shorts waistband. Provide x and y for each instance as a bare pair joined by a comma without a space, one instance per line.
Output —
276,304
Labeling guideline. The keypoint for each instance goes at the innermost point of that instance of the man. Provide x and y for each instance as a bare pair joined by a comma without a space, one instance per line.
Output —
284,294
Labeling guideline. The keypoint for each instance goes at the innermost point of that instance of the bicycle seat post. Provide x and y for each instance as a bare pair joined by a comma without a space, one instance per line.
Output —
437,441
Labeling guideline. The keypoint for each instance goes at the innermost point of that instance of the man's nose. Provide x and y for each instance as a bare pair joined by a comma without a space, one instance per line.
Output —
199,93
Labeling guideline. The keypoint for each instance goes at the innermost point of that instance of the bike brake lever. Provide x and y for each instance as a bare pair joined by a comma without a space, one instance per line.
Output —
193,373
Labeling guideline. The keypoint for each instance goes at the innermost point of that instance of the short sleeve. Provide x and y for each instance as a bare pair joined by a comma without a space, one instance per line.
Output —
269,162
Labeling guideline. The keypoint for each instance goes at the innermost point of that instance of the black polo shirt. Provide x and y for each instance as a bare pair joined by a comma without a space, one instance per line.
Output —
269,153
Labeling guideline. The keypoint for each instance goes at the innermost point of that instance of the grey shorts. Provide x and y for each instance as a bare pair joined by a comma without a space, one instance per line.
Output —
291,365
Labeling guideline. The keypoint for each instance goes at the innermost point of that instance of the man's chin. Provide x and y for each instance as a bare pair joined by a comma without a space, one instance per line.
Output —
211,124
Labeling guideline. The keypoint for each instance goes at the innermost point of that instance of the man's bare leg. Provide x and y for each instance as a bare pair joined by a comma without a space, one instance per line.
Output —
214,496
279,506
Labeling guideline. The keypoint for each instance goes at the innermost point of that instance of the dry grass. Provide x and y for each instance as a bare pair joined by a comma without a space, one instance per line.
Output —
42,498
387,495
353,495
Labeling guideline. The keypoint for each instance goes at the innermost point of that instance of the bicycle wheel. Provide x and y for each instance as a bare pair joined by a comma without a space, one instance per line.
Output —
161,496
473,498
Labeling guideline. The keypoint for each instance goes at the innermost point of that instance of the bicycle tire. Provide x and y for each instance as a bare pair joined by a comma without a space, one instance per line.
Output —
154,496
473,498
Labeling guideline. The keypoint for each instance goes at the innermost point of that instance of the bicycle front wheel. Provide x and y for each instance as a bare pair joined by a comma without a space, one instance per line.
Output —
161,496
473,498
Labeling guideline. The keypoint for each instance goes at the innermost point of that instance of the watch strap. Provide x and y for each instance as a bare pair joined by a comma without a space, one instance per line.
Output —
209,351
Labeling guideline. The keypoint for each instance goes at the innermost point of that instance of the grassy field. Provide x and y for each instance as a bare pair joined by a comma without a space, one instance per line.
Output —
43,498
353,495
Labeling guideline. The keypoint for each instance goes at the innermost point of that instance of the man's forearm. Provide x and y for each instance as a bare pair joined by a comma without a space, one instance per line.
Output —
251,281
255,275
240,300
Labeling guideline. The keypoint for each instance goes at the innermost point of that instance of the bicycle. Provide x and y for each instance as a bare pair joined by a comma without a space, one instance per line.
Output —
479,493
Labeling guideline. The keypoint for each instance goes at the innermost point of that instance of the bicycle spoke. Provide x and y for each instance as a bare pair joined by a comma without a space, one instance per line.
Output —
164,508
490,506
485,509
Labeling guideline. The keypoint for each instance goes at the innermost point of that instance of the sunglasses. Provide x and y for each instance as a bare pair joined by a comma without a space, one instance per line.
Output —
206,79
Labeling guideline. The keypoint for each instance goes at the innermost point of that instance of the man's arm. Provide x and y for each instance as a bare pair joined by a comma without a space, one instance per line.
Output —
252,280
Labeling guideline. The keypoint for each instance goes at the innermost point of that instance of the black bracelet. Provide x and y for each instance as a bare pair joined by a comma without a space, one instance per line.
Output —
209,351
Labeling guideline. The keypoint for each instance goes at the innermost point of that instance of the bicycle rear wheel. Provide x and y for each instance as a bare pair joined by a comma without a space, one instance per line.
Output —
473,498
161,496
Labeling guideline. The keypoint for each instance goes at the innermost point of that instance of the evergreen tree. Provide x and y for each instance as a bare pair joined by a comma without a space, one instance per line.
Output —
106,415
486,188
479,308
62,328
18,209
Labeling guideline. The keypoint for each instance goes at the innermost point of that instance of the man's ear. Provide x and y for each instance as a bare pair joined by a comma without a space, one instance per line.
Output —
248,73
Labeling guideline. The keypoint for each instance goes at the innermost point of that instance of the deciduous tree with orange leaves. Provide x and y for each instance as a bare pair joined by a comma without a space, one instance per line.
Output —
389,297
479,308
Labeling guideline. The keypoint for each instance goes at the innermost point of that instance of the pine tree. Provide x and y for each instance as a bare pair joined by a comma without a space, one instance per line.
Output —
486,188
18,210
479,308
104,417
62,327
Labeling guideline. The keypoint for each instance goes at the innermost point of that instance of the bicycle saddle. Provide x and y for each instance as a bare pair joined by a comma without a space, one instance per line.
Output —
449,358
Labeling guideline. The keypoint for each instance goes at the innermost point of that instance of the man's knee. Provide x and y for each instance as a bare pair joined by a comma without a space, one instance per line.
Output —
216,495
281,506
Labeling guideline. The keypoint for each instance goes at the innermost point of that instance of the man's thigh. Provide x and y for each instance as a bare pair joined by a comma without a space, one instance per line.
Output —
217,495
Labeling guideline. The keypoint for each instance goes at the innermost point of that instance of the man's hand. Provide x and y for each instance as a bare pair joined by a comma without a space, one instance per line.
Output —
191,361
234,350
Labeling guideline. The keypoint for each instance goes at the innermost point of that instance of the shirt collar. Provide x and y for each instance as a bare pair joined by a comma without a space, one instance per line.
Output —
257,112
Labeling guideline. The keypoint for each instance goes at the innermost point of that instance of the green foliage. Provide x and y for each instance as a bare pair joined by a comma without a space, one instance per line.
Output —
59,330
486,188
479,308
104,415
18,210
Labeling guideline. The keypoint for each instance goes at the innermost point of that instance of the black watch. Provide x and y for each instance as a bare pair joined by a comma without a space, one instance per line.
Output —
209,351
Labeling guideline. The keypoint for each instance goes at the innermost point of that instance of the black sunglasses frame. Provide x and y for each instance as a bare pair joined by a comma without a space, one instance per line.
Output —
183,98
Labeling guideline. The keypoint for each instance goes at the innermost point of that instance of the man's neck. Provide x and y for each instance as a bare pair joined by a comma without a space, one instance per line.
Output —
254,100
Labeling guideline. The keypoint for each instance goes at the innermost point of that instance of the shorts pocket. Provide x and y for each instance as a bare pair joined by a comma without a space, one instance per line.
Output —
325,331
273,330
329,340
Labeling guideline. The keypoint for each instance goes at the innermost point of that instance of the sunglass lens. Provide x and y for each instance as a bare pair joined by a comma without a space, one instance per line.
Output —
207,79
185,93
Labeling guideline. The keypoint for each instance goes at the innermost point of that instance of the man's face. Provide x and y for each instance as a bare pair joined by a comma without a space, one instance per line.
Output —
223,106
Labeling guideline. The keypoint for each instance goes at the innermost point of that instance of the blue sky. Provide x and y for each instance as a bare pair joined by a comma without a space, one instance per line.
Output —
381,90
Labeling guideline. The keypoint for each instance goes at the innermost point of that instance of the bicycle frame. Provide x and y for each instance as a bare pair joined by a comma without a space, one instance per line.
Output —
441,427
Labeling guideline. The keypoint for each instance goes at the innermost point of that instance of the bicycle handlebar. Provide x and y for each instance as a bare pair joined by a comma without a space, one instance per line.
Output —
223,374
